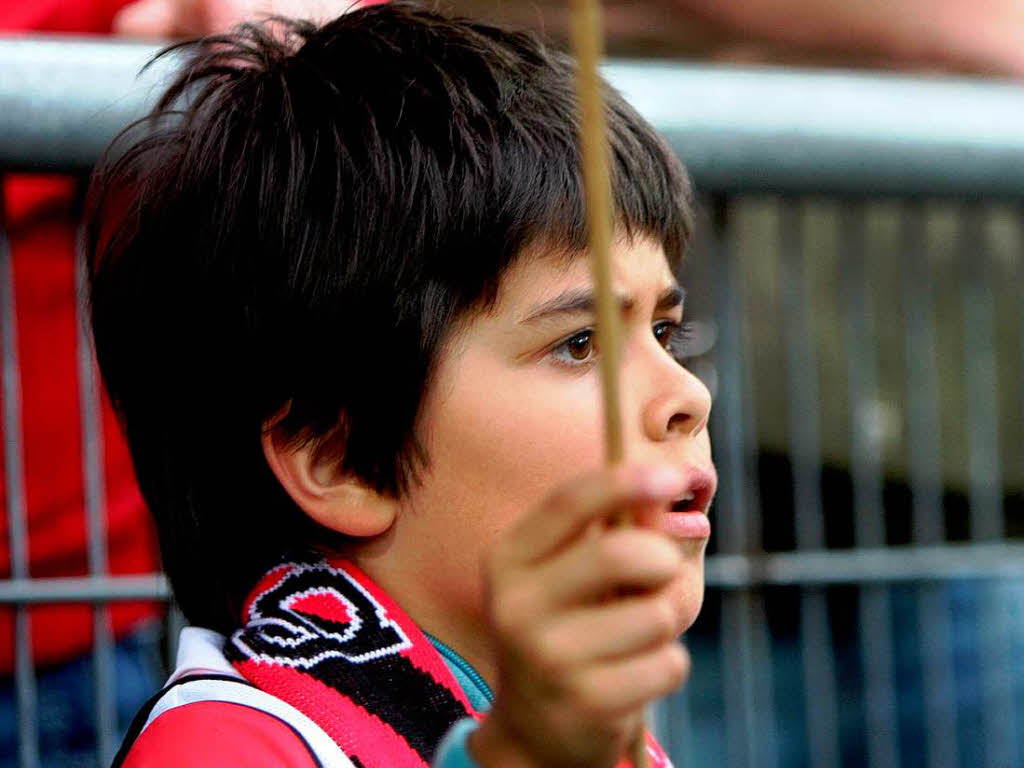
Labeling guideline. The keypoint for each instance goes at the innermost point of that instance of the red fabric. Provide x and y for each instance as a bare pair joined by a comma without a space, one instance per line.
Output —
303,661
213,734
40,219
326,639
353,729
421,653
83,16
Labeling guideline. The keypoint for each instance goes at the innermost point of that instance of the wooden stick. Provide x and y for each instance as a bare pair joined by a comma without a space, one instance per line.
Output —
586,41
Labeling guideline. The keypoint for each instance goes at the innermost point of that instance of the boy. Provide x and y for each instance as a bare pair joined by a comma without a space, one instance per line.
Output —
341,299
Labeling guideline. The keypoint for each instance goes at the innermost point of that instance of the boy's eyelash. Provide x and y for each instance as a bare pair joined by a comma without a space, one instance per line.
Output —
680,338
561,353
677,345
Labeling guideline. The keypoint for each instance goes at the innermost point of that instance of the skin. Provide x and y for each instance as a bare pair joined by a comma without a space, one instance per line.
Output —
983,36
591,610
190,18
505,549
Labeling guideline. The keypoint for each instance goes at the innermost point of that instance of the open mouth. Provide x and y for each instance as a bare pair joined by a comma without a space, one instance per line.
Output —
687,516
697,495
687,503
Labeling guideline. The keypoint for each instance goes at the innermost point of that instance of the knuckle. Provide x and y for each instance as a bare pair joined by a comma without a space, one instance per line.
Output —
671,553
677,664
664,618
660,553
554,656
660,557
588,698
508,608
614,556
565,496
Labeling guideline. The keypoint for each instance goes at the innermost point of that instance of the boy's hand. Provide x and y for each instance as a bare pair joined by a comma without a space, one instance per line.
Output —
585,617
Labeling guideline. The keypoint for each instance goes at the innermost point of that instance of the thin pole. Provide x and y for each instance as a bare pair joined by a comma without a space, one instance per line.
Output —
586,42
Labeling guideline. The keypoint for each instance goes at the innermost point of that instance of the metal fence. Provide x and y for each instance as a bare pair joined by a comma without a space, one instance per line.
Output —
857,282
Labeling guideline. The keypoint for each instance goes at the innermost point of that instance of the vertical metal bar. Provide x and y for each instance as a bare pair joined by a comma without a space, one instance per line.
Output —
820,699
673,727
730,443
767,745
764,676
24,673
866,471
733,505
104,680
924,456
985,486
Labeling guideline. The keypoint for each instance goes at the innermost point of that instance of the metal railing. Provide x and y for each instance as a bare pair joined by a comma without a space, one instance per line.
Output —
771,151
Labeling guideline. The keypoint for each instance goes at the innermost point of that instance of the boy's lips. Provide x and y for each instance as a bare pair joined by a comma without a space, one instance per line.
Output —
687,517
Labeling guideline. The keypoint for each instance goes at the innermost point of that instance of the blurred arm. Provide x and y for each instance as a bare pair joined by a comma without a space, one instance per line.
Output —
968,35
983,35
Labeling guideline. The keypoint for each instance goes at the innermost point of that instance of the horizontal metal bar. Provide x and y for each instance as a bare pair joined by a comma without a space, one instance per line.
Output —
749,129
150,586
743,129
63,99
819,567
867,566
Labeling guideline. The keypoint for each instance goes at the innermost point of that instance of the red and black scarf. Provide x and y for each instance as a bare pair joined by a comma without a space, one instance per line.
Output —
325,639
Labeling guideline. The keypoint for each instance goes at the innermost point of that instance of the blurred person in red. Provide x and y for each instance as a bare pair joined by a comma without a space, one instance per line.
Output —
40,216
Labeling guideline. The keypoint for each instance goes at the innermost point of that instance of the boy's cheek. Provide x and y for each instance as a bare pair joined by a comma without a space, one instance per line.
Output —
522,431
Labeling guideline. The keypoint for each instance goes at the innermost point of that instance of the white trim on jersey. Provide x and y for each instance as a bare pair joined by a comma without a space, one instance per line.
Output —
199,652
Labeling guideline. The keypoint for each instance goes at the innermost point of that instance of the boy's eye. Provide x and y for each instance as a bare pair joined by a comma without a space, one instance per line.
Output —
580,346
676,338
578,349
665,332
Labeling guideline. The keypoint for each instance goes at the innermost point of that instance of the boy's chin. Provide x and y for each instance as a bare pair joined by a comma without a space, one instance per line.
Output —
692,602
693,550
692,592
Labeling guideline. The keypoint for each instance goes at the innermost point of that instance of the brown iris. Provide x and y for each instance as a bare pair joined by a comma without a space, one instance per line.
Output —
663,333
581,347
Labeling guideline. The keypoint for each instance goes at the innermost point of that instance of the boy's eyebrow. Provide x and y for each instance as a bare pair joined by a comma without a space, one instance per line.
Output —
580,300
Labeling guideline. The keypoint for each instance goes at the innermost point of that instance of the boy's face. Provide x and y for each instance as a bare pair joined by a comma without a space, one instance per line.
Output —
514,410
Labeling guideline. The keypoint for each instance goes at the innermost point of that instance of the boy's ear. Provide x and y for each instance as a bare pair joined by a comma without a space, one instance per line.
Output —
340,502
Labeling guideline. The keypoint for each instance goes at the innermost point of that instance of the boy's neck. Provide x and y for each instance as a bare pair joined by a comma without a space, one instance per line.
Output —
466,636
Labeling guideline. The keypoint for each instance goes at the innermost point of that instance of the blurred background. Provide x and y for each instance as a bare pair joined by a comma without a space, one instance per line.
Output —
856,298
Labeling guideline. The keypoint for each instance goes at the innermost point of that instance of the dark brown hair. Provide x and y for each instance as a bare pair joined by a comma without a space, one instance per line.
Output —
295,228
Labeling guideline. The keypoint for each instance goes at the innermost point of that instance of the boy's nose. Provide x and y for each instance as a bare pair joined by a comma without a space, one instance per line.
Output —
680,407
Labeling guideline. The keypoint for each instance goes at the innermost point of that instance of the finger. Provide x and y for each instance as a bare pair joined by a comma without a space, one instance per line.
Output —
623,627
612,561
601,495
621,687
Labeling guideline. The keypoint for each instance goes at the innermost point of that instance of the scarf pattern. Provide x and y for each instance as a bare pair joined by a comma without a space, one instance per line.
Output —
324,638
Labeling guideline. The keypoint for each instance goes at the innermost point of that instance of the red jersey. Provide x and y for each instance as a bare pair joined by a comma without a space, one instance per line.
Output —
40,218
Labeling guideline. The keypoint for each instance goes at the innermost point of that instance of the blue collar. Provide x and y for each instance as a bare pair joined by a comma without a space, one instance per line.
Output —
474,686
